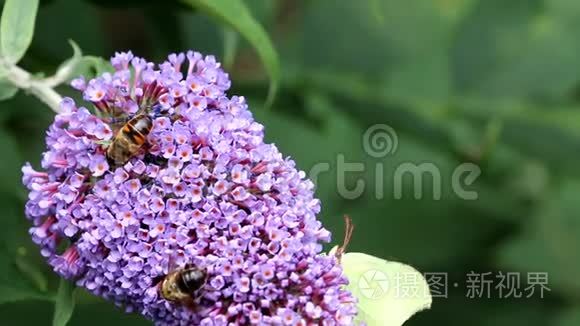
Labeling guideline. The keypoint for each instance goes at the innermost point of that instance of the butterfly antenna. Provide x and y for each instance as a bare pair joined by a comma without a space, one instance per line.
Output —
348,230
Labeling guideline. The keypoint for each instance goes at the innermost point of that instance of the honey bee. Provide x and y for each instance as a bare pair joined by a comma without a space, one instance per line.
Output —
132,135
129,139
181,286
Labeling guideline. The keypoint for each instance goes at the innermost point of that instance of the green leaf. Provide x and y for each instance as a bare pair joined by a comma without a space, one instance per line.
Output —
17,28
65,303
12,285
237,15
388,293
31,270
69,68
91,66
231,41
20,276
7,89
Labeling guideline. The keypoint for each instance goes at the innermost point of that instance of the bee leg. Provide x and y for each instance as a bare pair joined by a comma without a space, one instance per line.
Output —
190,304
104,142
111,162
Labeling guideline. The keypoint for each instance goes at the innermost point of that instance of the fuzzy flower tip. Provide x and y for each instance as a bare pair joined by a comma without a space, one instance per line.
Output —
204,190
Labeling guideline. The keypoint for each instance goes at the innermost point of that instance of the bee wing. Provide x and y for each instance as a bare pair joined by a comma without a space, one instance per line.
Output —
117,118
171,265
116,122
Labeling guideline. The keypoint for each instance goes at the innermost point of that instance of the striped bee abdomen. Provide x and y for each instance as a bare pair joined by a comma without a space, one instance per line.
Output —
129,139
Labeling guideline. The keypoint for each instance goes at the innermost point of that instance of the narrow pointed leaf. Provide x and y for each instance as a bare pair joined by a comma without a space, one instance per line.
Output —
65,303
238,16
17,28
13,286
69,68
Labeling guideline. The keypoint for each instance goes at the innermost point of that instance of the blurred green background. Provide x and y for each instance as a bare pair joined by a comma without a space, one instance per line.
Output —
491,82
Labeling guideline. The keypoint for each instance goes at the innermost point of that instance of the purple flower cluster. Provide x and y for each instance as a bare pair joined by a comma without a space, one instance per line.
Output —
204,190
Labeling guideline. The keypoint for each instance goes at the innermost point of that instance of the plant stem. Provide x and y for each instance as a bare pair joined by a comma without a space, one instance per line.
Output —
24,80
47,95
